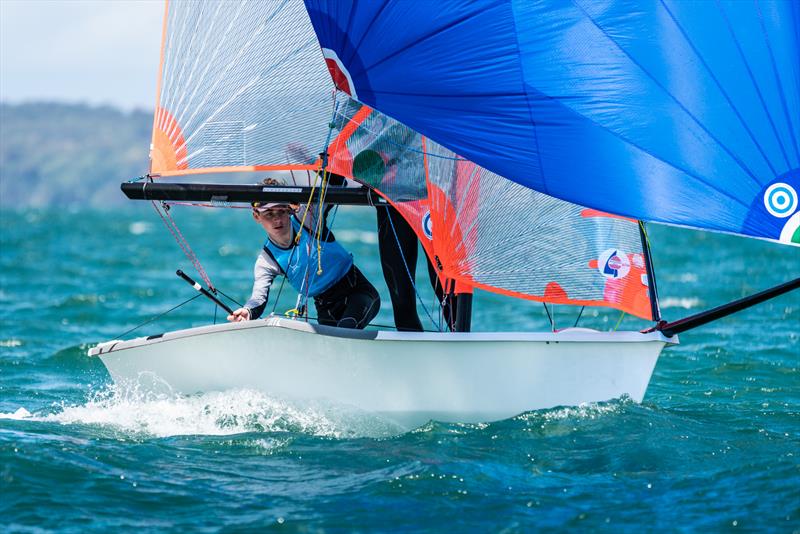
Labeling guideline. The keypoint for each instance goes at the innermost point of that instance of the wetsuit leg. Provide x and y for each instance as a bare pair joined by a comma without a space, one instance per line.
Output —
352,303
393,250
328,313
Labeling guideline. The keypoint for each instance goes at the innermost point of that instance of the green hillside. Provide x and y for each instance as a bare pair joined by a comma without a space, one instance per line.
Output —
69,154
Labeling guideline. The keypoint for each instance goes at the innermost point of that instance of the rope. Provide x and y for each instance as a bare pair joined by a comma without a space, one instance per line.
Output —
302,298
176,233
579,316
552,324
320,219
296,242
322,248
159,316
622,316
229,298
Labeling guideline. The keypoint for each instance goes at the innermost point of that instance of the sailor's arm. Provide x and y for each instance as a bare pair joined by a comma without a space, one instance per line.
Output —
264,273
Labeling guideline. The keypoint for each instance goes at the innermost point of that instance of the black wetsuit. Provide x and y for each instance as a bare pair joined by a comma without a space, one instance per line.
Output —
401,287
352,302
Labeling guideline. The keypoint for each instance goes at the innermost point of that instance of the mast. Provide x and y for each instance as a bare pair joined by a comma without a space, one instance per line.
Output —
651,274
463,322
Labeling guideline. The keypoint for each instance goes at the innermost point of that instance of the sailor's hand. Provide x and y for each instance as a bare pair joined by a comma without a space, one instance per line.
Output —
242,314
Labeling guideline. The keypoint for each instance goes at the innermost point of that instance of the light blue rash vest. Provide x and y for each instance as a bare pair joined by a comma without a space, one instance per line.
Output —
298,262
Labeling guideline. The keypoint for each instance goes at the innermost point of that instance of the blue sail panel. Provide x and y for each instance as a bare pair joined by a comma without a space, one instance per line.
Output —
684,113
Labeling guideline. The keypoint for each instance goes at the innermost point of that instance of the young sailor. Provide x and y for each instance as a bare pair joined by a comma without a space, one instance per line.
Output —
342,295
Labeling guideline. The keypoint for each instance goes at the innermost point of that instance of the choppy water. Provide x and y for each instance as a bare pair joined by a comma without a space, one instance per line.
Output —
715,445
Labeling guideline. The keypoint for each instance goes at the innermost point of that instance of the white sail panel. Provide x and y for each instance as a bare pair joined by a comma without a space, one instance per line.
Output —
243,87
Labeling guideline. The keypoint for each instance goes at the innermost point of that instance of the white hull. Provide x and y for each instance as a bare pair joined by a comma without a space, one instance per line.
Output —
410,377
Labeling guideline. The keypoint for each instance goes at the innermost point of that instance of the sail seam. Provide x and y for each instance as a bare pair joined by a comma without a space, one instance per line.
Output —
753,81
778,82
728,151
719,86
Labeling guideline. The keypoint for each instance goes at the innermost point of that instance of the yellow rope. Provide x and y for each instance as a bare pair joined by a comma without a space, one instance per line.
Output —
320,217
620,321
305,213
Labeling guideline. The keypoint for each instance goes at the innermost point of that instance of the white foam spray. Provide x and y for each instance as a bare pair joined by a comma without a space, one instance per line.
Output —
140,412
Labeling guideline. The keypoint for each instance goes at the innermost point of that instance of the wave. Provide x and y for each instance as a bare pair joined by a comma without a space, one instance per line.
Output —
142,413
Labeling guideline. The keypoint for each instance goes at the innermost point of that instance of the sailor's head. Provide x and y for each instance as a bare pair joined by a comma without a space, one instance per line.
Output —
271,210
274,216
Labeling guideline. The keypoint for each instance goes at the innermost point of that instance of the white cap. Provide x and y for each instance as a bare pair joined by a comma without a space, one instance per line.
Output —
261,207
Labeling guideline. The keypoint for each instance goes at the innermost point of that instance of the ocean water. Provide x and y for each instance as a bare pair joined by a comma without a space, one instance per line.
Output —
714,446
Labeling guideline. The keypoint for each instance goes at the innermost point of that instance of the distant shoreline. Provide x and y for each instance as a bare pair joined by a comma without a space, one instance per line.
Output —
69,154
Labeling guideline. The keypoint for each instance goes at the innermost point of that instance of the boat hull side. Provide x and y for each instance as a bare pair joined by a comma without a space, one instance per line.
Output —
484,379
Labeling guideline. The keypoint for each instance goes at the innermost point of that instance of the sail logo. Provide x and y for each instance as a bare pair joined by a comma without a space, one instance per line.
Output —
339,73
427,225
614,263
780,200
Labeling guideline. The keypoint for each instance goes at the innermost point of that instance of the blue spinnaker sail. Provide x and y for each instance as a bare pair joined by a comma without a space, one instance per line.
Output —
682,112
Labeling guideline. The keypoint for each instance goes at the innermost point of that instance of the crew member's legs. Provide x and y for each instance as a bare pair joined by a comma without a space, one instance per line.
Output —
352,303
393,251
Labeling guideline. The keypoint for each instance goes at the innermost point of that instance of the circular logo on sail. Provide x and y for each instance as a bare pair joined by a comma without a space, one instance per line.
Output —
780,200
427,225
613,263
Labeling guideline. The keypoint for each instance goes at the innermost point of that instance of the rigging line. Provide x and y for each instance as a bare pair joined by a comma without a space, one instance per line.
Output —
652,288
329,227
730,153
280,289
622,316
160,315
579,316
552,324
181,240
321,215
776,73
408,271
229,298
753,81
719,86
297,238
320,219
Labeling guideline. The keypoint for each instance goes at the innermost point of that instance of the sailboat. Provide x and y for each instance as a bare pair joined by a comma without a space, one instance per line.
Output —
525,144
